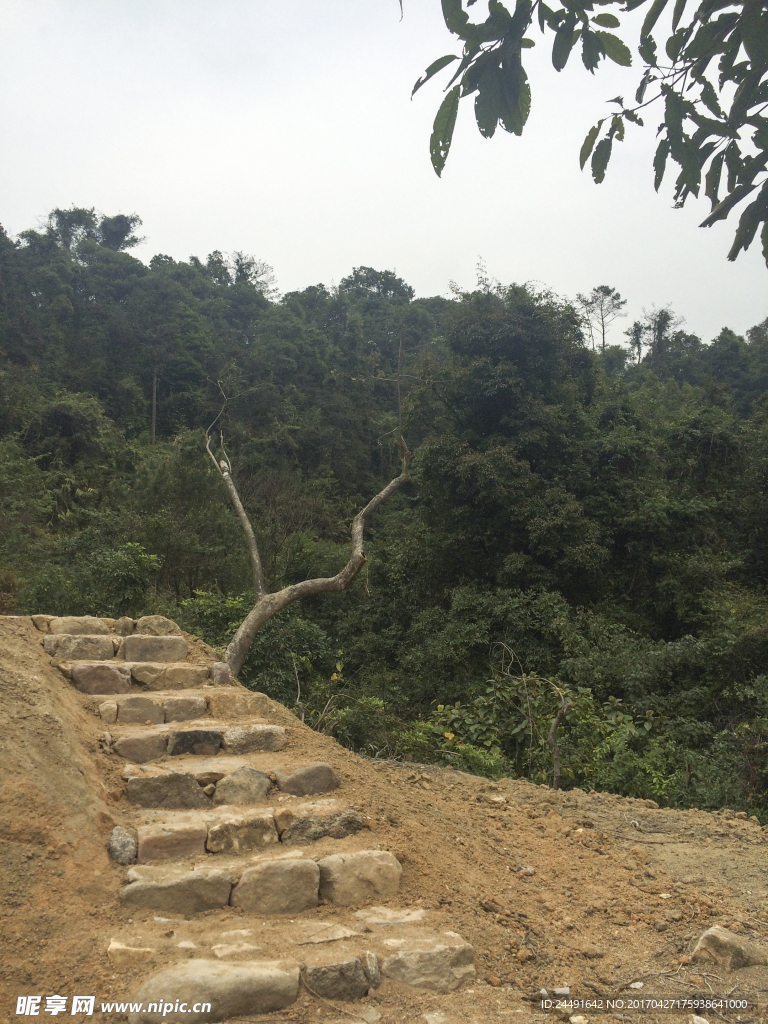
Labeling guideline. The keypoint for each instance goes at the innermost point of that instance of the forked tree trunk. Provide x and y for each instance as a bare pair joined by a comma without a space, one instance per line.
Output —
266,605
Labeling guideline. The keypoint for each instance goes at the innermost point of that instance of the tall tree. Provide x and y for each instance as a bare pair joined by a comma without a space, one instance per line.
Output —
600,308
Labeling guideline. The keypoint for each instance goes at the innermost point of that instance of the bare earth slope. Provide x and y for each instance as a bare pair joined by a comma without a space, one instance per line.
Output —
589,891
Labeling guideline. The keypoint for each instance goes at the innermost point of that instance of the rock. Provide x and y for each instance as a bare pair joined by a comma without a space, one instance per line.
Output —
231,989
387,916
278,887
79,648
226,950
79,625
172,791
153,648
345,980
245,786
165,676
242,834
121,845
283,819
244,738
209,790
194,741
140,709
108,712
311,828
171,841
128,956
156,625
103,677
432,964
123,626
371,967
591,952
140,747
189,893
221,674
41,622
348,878
184,709
236,703
322,931
317,777
723,947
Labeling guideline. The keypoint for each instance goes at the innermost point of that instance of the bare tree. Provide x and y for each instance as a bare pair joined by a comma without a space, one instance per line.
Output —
265,604
599,309
552,735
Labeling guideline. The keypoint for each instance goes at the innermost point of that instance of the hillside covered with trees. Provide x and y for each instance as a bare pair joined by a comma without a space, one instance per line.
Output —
583,525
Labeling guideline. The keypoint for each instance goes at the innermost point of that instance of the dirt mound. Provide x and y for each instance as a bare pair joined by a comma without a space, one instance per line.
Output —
591,892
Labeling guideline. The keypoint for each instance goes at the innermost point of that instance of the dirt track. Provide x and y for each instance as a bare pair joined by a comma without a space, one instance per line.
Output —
591,891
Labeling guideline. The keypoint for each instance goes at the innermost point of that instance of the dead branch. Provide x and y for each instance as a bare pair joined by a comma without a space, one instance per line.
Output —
267,604
552,737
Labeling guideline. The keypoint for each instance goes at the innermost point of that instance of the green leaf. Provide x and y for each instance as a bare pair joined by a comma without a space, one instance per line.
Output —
722,209
764,240
614,48
514,118
527,43
456,18
565,38
652,17
647,50
591,49
712,179
442,130
488,102
600,159
660,163
607,20
709,98
754,32
678,13
750,220
434,67
588,144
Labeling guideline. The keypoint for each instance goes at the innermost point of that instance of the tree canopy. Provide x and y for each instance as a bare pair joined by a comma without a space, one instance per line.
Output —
710,83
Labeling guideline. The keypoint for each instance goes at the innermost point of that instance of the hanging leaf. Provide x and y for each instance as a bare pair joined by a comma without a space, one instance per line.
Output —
600,159
660,163
607,20
764,240
677,13
489,101
712,179
565,38
455,17
442,130
614,48
750,220
434,67
588,144
652,17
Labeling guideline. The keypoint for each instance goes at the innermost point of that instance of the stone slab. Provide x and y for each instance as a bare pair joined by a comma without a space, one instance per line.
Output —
168,676
438,966
241,989
184,708
345,980
80,625
153,648
140,709
141,747
243,739
278,887
245,786
237,702
169,841
242,833
101,677
176,790
79,648
204,742
41,622
311,827
108,712
349,878
189,893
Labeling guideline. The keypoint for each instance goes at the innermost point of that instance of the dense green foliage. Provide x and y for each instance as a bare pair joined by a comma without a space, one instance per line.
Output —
582,523
710,87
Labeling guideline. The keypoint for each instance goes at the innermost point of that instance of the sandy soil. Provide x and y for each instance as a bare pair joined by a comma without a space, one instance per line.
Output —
592,891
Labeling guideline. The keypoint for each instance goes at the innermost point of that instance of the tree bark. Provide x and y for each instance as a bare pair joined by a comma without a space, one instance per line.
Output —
552,740
267,604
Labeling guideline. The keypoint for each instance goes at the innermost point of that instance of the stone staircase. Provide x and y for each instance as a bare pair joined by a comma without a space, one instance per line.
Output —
220,827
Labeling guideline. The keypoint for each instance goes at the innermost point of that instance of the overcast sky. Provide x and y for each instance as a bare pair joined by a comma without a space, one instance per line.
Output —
285,129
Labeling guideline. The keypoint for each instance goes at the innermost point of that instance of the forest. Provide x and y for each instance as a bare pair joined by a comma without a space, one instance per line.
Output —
585,529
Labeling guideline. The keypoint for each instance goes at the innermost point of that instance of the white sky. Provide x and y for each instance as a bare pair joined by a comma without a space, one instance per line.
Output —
285,129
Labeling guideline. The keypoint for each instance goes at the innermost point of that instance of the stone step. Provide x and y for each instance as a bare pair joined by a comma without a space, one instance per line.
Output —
201,737
275,885
105,678
230,827
92,625
105,647
219,702
339,957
